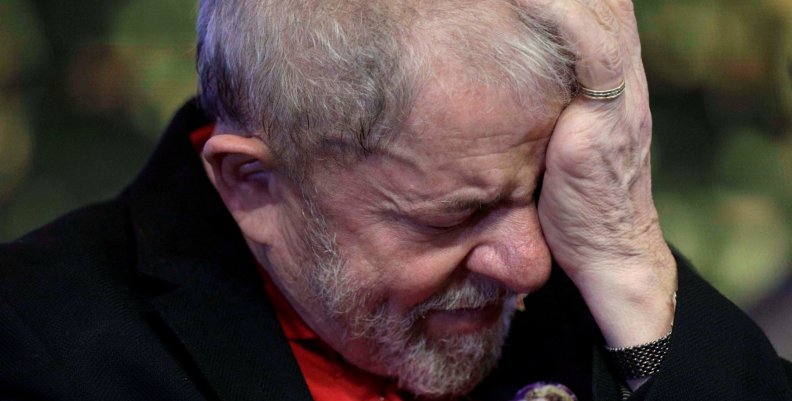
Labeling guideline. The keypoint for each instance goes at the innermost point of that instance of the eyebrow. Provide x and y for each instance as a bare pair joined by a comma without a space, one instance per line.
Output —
462,204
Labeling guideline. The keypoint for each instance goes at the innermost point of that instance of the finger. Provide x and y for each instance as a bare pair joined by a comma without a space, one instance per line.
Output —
624,10
601,9
592,30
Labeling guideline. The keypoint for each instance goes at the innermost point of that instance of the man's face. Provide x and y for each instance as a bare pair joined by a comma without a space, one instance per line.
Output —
411,261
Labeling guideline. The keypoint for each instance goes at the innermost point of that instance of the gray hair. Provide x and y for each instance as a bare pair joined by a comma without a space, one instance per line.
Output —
312,76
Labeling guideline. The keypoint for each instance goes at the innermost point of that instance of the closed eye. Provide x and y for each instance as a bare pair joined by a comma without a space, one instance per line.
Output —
448,216
446,227
458,221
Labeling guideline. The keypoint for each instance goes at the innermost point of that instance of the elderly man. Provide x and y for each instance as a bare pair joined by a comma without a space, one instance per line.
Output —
444,200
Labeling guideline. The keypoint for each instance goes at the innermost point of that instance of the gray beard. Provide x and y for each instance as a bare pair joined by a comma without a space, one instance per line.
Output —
439,367
432,368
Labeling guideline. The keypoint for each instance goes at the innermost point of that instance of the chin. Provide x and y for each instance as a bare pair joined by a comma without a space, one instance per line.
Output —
442,367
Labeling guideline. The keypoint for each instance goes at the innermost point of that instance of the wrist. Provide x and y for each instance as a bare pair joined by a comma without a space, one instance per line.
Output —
640,361
635,303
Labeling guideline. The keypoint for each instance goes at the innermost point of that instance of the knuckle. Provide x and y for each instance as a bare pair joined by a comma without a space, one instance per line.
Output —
610,21
626,5
610,57
645,120
623,5
639,113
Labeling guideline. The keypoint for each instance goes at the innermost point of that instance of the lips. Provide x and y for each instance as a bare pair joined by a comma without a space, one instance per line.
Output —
469,310
462,320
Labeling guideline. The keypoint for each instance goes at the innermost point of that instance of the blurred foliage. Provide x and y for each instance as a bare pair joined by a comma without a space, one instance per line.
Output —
720,74
87,88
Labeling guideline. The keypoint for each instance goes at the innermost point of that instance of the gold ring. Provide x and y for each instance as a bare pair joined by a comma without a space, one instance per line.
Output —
603,95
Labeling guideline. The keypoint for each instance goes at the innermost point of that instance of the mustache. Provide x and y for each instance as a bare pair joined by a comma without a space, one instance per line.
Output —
469,294
472,293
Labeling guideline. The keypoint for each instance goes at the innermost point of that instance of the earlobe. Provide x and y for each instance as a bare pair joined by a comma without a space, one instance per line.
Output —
244,173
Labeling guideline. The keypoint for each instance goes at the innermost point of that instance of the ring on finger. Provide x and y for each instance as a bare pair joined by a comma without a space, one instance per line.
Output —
603,94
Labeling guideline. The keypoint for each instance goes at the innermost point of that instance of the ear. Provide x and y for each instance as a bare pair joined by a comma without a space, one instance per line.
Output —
243,171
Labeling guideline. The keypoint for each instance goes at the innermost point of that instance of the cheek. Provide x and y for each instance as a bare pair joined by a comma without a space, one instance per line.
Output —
286,252
397,271
421,274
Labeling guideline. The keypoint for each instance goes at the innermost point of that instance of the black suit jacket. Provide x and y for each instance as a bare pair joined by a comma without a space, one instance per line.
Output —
154,296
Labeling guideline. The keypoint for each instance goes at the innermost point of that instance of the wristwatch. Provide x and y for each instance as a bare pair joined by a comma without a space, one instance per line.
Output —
641,360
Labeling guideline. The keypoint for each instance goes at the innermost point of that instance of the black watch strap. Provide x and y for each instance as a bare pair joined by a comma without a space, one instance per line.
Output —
641,360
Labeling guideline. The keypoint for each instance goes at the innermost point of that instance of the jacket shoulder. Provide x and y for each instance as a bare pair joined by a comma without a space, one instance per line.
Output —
72,313
72,255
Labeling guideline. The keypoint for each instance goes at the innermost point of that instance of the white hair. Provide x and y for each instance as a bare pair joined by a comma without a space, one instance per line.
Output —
313,76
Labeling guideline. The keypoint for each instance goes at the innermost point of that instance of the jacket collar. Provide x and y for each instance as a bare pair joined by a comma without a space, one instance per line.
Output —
205,284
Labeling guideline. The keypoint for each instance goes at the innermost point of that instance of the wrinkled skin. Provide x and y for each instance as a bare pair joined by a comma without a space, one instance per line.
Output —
596,207
476,149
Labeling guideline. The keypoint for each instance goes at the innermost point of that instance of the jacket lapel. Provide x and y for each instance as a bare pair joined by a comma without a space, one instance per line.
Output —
210,294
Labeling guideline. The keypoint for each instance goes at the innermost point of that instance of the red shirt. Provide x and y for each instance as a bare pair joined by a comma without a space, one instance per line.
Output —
328,376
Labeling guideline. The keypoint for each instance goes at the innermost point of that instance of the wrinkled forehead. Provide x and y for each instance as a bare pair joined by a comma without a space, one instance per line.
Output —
483,76
455,119
461,141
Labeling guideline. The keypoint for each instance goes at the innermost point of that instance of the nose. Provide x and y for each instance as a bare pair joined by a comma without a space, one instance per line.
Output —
509,247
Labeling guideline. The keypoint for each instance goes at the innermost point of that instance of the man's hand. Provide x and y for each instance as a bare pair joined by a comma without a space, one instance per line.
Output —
596,207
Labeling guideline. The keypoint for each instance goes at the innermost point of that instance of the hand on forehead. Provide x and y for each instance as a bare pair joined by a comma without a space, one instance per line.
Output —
602,33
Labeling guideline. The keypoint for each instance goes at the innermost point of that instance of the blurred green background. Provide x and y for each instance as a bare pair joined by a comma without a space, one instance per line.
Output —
87,87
